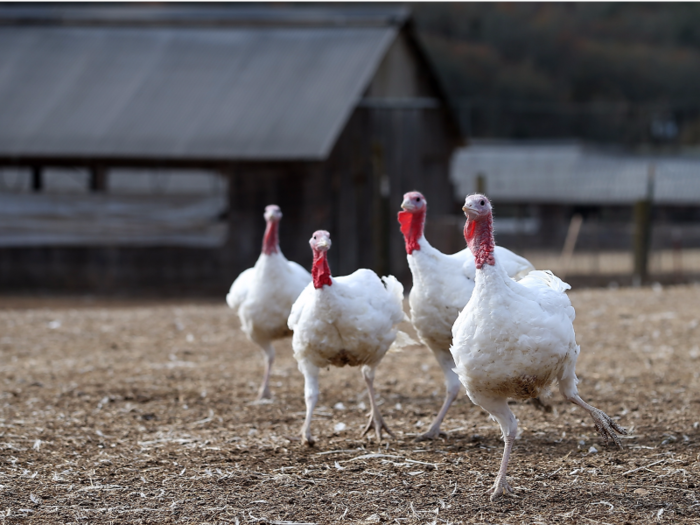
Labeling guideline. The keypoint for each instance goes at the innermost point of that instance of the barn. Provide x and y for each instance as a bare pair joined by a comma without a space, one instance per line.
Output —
139,145
538,187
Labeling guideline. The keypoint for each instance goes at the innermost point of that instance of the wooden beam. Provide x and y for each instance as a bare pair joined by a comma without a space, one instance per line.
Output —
642,231
98,178
37,178
570,244
380,211
481,183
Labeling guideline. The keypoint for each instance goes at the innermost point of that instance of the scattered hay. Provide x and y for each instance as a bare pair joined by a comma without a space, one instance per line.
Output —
142,414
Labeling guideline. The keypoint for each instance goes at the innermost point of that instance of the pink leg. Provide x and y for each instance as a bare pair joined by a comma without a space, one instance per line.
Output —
311,397
498,408
606,426
264,390
603,423
375,417
452,386
501,486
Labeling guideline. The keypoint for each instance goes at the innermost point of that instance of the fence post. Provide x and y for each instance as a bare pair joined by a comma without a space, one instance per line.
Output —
642,231
569,244
37,178
380,211
481,183
98,178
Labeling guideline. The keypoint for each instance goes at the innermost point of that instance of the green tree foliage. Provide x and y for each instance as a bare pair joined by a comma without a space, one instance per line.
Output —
606,71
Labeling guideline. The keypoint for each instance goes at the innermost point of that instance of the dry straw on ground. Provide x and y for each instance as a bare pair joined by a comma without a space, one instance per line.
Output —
125,413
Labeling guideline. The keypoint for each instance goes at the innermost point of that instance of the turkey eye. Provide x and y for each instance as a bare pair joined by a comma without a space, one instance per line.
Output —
482,203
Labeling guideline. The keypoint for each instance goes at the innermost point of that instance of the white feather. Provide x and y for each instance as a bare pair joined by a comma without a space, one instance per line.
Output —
513,330
442,286
262,296
350,322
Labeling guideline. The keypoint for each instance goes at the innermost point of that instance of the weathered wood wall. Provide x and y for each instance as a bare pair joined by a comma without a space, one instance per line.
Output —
355,194
409,148
383,153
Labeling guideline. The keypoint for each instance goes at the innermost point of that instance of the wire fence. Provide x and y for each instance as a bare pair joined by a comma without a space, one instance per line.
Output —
583,210
602,252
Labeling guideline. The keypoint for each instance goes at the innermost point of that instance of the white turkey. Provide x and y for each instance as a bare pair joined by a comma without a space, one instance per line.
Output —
442,285
349,320
262,296
513,339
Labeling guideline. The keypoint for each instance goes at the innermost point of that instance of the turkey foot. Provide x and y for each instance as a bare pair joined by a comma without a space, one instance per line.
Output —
377,422
263,395
452,391
375,418
500,489
432,433
539,405
604,424
607,427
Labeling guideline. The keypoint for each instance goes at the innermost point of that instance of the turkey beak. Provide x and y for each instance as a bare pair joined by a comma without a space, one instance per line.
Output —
468,210
273,215
323,243
407,205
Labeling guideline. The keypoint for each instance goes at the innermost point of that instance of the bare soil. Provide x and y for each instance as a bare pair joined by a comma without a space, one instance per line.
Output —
125,413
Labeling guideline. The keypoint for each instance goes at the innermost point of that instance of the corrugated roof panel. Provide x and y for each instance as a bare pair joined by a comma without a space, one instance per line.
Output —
198,15
233,93
572,174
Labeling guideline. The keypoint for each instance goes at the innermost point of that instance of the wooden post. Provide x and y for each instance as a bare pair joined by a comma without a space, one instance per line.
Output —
642,232
678,255
481,183
380,211
98,178
37,178
569,244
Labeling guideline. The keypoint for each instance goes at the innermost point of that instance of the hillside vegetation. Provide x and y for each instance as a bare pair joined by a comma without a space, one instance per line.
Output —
623,72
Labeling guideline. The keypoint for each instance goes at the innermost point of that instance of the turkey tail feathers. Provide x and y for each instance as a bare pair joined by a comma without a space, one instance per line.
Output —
395,289
539,277
403,340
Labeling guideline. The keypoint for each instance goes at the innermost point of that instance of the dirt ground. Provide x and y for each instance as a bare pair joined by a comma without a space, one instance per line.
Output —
141,413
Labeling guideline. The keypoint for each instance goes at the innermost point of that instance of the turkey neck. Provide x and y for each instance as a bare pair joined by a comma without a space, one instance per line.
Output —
412,225
320,271
479,236
271,238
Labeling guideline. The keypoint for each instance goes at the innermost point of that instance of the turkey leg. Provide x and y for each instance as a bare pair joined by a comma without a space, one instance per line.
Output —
606,426
264,390
498,408
375,418
452,386
311,397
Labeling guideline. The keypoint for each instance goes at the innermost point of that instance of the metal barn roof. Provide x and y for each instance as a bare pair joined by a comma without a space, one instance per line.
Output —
202,15
561,173
219,88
